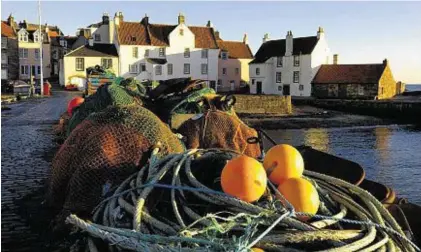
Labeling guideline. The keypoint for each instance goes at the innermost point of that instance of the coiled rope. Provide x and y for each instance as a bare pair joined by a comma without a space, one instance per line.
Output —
182,220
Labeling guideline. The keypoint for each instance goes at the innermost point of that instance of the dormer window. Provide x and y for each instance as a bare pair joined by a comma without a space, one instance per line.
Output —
224,55
133,38
36,37
23,37
181,32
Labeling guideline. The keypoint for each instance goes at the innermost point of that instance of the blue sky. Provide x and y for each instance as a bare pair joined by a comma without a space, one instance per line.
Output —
360,32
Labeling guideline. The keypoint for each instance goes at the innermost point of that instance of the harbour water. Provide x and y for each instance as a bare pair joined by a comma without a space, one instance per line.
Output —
389,154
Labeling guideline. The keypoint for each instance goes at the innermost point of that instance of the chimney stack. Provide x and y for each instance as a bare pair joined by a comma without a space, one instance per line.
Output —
266,37
105,18
118,18
245,39
46,28
320,33
10,20
181,19
145,20
209,24
91,41
385,62
217,35
335,59
289,44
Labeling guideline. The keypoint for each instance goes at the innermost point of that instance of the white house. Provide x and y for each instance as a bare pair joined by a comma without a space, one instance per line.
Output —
160,51
287,66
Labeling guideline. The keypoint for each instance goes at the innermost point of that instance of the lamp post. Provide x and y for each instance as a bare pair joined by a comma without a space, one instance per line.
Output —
40,49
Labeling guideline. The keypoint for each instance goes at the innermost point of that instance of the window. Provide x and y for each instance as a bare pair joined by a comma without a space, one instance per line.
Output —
252,81
133,68
278,77
147,53
23,37
224,55
296,76
279,61
97,37
280,88
107,63
169,69
181,32
158,70
219,82
142,67
224,71
24,70
204,68
204,53
186,68
301,87
257,71
296,60
237,71
135,52
80,64
36,53
186,52
39,70
36,37
162,52
23,53
4,43
133,38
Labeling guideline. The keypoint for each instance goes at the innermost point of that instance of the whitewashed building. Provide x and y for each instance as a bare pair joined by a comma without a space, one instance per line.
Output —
159,51
287,66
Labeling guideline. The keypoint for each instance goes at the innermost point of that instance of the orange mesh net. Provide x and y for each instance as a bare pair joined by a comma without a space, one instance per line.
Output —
218,129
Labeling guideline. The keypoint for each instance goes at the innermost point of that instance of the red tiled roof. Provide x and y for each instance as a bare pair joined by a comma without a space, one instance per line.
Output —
349,74
53,34
235,49
7,31
136,33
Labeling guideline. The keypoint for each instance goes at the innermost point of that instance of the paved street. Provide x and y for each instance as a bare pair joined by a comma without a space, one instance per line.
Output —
26,136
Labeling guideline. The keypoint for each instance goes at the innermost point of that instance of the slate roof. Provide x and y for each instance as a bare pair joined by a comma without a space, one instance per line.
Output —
276,48
235,49
349,74
137,33
7,30
98,50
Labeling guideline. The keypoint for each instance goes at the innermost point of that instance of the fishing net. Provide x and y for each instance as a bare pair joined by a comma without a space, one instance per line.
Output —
120,92
218,129
103,150
176,204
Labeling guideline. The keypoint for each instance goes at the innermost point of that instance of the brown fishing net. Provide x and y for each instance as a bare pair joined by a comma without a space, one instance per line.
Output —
102,151
218,129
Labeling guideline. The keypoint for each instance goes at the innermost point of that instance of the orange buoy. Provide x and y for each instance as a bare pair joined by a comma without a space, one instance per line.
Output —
245,178
301,194
282,162
75,102
257,250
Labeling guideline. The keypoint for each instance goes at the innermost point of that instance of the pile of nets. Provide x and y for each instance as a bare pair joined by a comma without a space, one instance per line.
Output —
120,92
175,203
102,151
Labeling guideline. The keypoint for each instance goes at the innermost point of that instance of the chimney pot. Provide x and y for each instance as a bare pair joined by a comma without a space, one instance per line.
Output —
335,59
385,62
209,24
245,39
145,20
266,37
181,19
217,35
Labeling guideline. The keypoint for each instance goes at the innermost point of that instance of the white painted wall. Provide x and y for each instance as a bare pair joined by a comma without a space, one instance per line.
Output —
174,55
106,32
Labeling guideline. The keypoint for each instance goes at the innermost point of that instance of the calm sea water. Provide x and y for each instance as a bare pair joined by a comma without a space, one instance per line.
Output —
389,154
413,87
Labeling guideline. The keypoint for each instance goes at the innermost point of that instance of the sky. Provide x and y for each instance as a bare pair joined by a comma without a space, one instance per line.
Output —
360,32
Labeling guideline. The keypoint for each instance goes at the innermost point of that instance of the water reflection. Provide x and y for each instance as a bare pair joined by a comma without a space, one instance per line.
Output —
317,138
382,143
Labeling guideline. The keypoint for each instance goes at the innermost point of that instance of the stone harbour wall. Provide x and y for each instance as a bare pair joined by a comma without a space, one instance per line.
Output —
263,104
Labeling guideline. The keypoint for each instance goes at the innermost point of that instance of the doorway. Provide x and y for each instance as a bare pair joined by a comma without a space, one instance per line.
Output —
33,70
259,87
285,90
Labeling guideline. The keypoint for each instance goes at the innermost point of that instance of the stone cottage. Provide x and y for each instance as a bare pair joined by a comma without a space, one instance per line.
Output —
358,81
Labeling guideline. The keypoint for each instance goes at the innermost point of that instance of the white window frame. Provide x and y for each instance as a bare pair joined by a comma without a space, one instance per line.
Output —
23,53
186,68
162,52
133,68
224,55
278,77
82,68
279,61
205,53
107,64
170,69
25,69
158,70
224,71
36,53
97,37
296,60
135,52
204,68
147,52
296,77
186,52
23,37
257,71
36,37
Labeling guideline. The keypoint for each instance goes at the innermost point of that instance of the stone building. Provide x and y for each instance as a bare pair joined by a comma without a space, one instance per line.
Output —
358,81
9,53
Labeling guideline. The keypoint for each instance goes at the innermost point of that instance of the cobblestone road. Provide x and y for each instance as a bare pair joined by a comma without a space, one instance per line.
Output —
26,135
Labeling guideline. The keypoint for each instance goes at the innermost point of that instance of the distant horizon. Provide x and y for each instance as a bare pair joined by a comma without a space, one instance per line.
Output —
360,32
